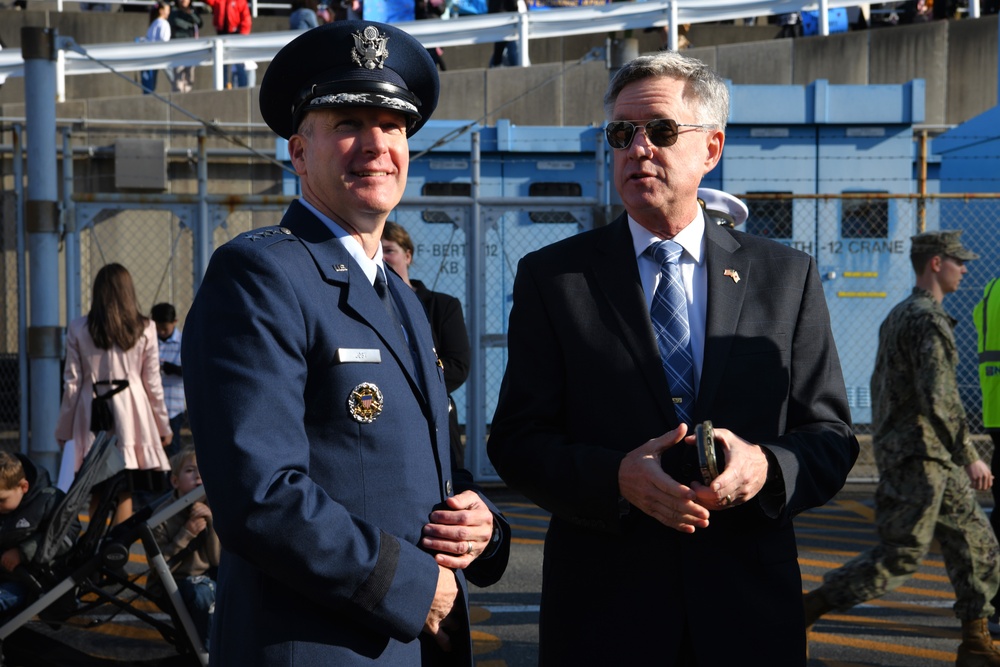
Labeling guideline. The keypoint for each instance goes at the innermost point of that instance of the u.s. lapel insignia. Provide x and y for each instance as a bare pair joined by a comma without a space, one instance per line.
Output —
339,267
370,50
365,403
732,273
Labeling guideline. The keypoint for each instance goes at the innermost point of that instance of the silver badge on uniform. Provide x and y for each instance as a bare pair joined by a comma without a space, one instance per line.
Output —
365,403
370,49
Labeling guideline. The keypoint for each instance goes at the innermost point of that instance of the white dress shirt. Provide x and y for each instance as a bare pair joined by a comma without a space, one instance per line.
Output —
351,244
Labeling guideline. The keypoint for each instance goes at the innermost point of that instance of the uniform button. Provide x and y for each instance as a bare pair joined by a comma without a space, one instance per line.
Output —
447,487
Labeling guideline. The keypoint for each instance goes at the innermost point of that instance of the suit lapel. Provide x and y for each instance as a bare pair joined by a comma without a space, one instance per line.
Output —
617,274
723,264
338,268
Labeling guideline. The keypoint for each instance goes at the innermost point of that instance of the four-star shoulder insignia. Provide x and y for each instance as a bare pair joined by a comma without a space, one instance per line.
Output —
267,232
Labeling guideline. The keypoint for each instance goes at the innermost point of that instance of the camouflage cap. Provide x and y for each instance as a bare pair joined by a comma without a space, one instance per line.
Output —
943,242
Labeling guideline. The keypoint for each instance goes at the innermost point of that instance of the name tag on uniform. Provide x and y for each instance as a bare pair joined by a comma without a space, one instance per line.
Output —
356,355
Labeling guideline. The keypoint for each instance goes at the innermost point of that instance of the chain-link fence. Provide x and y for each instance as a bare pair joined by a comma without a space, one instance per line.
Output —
860,241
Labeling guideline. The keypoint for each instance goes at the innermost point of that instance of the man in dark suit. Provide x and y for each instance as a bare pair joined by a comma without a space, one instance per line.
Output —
644,563
317,405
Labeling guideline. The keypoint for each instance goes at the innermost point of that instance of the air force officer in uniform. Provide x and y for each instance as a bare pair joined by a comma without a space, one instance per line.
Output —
317,403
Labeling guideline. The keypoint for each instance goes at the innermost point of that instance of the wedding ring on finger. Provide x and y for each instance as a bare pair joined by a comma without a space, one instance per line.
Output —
727,501
468,547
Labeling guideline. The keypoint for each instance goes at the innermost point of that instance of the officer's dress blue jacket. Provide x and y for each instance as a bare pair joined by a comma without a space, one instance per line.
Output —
319,514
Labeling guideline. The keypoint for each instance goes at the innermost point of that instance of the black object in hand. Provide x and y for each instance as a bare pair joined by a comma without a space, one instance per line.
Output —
170,369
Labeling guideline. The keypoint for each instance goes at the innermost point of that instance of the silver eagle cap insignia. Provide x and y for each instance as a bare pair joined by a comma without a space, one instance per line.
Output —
370,50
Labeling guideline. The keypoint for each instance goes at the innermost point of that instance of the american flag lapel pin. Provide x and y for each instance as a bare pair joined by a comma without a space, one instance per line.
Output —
732,273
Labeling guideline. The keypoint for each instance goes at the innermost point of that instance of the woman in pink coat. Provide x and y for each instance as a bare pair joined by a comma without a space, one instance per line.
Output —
116,342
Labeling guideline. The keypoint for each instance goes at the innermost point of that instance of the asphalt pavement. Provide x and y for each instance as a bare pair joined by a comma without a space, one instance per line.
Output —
910,627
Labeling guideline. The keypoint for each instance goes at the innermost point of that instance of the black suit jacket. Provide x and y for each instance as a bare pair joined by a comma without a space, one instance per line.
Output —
584,385
451,343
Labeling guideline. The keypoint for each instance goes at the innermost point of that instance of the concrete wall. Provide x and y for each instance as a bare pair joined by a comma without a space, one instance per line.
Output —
957,59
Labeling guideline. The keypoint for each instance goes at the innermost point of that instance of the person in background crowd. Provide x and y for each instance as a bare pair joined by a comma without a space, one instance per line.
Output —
505,54
451,340
112,357
929,468
233,17
28,501
158,31
169,337
189,543
303,16
986,316
185,23
431,9
317,405
791,27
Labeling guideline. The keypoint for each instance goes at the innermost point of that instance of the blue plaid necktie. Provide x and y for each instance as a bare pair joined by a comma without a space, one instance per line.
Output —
669,315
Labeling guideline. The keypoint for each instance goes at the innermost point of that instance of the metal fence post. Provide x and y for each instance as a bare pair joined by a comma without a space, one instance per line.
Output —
475,285
22,292
45,336
202,231
72,234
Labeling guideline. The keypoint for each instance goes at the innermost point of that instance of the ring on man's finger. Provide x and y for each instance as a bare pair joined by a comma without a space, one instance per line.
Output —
468,547
729,500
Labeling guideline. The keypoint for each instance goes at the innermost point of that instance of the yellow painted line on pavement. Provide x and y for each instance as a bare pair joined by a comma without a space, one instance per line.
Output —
479,614
530,529
128,631
829,517
909,590
830,552
830,565
915,608
927,654
520,515
936,564
805,537
895,626
526,540
483,642
832,527
858,508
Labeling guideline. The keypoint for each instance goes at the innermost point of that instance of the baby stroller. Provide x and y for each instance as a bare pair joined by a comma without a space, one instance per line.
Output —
88,586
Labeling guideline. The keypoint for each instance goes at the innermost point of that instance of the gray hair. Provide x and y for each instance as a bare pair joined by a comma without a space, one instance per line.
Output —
707,90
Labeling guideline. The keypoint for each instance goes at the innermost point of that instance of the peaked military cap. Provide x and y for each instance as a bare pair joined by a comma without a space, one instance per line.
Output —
944,242
722,207
349,64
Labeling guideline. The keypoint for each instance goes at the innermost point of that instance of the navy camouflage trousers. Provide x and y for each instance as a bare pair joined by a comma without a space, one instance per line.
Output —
915,502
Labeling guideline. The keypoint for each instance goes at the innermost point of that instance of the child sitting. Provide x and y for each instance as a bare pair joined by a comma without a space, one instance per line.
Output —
27,502
189,544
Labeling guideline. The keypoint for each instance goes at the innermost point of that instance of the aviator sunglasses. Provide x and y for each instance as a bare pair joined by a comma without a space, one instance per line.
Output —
661,132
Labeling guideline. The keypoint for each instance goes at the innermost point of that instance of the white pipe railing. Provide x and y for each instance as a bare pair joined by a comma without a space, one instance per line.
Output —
217,52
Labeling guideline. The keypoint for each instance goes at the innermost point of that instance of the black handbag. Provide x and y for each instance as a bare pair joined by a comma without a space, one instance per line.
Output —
102,417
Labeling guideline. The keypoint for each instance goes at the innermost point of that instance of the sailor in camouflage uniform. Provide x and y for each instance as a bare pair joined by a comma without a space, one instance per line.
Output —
925,459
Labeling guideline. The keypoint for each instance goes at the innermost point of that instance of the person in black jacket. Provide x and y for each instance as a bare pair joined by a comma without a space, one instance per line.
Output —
27,502
185,22
451,341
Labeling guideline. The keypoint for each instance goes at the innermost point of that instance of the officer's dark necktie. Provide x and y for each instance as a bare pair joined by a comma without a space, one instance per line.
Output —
382,289
669,315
